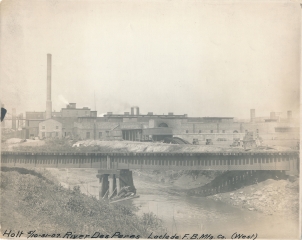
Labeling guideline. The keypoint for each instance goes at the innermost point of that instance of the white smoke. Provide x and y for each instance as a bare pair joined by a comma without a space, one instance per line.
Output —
62,99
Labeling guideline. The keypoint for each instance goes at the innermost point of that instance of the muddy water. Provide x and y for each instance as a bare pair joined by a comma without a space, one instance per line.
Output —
182,214
185,214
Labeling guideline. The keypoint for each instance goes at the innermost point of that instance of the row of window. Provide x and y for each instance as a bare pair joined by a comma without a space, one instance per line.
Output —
107,132
56,134
212,131
43,127
87,113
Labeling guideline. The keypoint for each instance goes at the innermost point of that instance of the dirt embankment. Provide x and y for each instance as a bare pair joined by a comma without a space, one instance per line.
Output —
65,145
15,143
31,202
272,197
129,146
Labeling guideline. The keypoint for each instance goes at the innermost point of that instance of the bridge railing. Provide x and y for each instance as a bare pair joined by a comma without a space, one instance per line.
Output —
176,161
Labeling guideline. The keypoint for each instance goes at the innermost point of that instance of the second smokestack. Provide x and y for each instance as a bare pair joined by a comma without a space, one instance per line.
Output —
48,99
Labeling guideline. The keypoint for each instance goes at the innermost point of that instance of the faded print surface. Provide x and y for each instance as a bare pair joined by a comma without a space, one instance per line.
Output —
146,119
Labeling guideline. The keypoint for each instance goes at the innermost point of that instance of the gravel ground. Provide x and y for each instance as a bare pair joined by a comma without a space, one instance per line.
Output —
270,197
128,146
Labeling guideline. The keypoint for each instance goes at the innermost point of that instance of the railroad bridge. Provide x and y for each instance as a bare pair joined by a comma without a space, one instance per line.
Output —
114,169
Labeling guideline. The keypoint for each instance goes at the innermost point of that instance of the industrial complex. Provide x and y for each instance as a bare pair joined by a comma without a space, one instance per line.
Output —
83,123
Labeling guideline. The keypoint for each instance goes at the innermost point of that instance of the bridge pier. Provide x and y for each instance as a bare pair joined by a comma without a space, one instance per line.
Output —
118,184
293,167
104,184
112,181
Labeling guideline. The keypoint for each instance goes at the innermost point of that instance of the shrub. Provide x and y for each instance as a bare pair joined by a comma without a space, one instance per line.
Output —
48,207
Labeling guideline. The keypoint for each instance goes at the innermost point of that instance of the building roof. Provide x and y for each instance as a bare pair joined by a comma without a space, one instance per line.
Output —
143,116
84,108
217,117
50,119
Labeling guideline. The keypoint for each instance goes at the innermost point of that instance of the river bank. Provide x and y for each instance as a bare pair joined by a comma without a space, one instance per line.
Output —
270,197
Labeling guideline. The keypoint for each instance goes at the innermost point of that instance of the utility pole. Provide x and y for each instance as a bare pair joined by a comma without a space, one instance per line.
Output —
94,129
94,102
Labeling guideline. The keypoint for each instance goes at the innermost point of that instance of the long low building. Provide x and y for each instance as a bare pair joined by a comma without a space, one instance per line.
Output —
82,123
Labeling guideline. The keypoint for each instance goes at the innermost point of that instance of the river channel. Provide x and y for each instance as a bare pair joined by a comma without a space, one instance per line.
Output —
183,214
186,214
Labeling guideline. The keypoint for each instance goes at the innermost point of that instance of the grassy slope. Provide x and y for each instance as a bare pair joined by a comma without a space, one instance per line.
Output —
31,203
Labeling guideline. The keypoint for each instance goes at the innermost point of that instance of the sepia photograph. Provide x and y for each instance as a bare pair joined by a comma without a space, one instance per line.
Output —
150,119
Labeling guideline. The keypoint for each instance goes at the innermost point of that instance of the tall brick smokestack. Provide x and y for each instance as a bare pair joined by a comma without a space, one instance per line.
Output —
253,115
14,119
48,99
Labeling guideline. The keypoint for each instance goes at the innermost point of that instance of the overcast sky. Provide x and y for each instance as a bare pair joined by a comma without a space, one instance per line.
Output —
195,57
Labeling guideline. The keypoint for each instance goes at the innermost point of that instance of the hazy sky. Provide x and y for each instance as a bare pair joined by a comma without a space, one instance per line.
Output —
217,58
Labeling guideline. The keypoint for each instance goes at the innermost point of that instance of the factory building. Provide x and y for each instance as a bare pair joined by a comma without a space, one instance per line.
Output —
141,127
32,120
67,117
71,111
83,123
50,128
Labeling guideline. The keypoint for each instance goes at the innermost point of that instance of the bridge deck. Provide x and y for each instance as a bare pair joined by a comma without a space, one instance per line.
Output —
269,160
